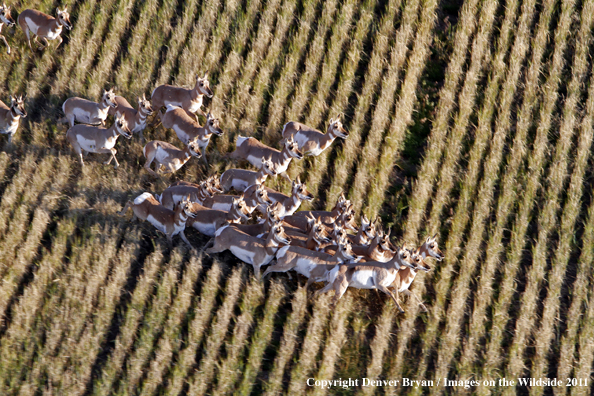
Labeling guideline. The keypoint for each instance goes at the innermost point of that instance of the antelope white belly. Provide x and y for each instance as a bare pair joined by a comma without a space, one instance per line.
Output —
102,114
405,284
255,160
83,116
161,155
156,223
243,254
181,134
139,126
240,185
52,35
203,142
178,227
316,151
86,144
304,267
204,228
301,139
32,25
362,279
221,206
110,142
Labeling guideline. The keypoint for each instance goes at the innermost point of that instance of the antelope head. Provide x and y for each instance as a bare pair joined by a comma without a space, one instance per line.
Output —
215,183
64,18
240,207
268,167
320,233
279,235
212,124
367,227
384,240
347,218
419,262
144,105
185,206
432,249
109,98
262,196
339,234
205,188
194,148
292,147
122,126
335,127
346,254
403,258
300,191
203,86
272,212
17,105
5,16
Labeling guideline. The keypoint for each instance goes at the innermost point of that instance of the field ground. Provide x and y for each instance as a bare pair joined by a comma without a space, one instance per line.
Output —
472,120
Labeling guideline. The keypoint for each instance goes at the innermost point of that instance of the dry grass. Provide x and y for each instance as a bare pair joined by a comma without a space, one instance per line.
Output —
375,70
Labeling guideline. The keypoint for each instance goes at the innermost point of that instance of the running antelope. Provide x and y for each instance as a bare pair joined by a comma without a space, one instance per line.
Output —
170,222
251,150
89,112
174,194
369,275
187,99
5,18
254,196
328,217
315,238
44,26
310,263
249,249
208,221
406,276
213,183
311,141
11,116
92,139
136,119
290,204
187,128
168,156
241,179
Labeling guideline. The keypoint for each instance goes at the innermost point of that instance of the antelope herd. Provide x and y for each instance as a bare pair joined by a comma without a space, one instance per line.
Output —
315,244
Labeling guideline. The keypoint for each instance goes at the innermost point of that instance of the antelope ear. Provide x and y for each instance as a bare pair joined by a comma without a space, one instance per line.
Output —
428,240
140,100
58,12
143,96
263,159
205,76
389,232
331,121
298,180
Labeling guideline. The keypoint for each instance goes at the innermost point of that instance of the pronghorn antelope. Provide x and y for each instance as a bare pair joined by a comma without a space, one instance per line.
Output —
251,150
290,204
187,128
369,275
168,156
311,141
170,222
252,250
5,18
310,263
174,194
41,25
366,232
407,275
378,250
11,116
208,221
241,179
254,196
92,139
136,119
88,112
187,99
